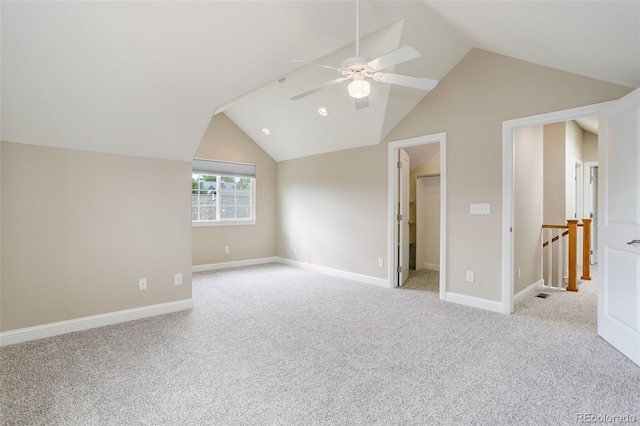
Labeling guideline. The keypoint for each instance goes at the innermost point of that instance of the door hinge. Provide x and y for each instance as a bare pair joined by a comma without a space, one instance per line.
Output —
510,229
399,164
399,269
399,217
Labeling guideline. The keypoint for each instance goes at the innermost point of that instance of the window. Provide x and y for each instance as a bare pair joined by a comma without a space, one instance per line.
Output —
222,193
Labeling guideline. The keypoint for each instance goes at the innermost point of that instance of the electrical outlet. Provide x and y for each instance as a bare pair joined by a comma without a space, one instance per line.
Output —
177,279
381,262
518,273
226,249
470,276
142,284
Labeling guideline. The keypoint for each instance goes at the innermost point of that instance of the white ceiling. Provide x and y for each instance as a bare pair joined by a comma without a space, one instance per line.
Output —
144,78
297,130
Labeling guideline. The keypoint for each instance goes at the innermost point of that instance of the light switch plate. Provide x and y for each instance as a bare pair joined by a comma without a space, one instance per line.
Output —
483,208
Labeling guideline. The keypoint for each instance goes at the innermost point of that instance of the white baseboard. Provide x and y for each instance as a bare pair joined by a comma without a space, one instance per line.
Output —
475,302
234,264
78,324
380,282
431,266
528,291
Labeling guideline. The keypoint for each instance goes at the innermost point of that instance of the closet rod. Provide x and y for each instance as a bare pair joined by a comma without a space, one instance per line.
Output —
427,175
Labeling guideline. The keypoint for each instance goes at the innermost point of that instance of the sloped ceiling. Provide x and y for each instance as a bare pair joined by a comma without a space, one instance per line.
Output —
144,78
296,128
598,39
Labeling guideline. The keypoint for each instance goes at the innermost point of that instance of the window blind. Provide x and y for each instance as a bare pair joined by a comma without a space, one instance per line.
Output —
227,168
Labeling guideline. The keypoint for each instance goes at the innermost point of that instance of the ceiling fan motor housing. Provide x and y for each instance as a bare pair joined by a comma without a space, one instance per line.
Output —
357,64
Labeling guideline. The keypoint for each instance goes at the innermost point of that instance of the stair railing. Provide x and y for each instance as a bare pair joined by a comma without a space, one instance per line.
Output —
569,230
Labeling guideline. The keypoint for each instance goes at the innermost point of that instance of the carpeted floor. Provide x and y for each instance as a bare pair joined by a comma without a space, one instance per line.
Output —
275,345
424,279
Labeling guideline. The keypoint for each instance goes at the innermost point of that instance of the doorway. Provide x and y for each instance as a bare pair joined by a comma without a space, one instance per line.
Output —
574,200
618,176
394,208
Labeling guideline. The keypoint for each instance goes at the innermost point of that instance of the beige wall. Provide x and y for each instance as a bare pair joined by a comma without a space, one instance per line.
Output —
79,229
573,154
554,173
528,199
470,104
428,239
333,209
223,140
589,147
425,193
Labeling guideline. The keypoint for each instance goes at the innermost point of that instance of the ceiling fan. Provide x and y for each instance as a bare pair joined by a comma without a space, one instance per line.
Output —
359,69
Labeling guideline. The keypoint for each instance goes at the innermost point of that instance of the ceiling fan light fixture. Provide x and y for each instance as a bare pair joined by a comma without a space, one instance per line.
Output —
359,88
358,69
323,111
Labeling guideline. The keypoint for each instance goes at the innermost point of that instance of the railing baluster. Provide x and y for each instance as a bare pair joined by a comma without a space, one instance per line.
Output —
570,250
572,285
549,258
560,265
586,249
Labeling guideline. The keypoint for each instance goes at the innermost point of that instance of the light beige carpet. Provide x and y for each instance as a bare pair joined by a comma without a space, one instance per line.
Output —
275,345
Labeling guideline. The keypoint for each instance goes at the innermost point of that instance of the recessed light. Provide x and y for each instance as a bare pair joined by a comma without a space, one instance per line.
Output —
323,111
266,131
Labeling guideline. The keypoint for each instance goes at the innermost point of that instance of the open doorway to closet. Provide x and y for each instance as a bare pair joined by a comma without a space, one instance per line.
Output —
417,182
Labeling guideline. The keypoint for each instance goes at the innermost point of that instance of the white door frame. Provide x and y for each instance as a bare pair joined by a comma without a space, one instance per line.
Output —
394,147
508,128
586,187
578,167
588,203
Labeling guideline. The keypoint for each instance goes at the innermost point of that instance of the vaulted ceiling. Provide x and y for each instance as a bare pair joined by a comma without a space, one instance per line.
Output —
144,78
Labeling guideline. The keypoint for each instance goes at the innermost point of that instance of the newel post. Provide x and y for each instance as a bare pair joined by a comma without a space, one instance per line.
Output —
586,249
573,255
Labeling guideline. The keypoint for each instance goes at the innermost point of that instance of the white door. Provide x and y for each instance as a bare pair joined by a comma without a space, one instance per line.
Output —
403,217
619,254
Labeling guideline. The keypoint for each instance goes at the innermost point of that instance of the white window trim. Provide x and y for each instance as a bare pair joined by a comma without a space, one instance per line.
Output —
223,222
231,222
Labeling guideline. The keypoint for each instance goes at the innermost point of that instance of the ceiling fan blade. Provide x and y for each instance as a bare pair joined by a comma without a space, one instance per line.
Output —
319,88
315,64
406,80
395,57
362,102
